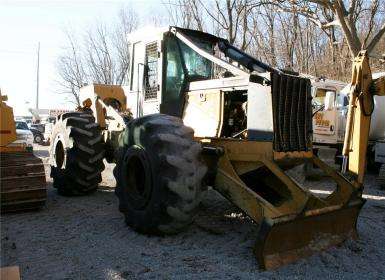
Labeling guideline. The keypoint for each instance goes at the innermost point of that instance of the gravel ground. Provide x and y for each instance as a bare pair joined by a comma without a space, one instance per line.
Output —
86,238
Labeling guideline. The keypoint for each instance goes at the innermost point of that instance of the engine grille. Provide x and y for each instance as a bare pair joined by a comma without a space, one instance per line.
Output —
292,113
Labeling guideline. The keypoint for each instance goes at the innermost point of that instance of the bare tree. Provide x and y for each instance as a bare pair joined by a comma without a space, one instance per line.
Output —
185,13
128,23
102,57
231,17
328,14
265,33
71,69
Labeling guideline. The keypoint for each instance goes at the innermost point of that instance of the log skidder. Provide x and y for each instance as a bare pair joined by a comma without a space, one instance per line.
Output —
249,128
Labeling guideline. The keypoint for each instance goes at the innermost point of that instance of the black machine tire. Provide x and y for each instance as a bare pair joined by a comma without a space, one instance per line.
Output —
159,175
381,176
76,154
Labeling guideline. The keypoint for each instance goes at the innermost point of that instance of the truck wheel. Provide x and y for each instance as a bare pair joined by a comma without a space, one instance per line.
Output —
381,176
159,175
76,154
38,139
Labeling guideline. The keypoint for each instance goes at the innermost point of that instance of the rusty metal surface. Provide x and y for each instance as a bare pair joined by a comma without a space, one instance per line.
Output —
22,185
107,94
294,223
280,243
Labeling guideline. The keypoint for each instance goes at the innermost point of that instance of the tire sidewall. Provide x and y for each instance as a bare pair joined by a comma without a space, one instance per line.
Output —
77,175
59,134
176,169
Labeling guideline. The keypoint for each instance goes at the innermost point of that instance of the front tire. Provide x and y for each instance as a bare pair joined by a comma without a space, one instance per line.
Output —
76,154
159,175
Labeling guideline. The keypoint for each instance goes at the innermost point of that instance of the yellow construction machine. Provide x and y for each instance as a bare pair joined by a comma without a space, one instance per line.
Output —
199,112
22,176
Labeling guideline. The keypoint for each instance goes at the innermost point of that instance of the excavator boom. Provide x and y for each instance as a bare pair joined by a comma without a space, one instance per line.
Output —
361,106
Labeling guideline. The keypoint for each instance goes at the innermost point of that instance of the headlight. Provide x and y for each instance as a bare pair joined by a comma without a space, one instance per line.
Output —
22,136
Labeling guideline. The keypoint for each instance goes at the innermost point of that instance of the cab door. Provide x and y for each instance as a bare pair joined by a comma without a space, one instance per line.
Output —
174,82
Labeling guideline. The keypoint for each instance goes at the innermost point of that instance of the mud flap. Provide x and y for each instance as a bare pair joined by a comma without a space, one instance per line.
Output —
286,240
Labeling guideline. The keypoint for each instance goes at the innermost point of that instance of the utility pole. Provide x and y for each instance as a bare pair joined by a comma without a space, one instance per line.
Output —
37,76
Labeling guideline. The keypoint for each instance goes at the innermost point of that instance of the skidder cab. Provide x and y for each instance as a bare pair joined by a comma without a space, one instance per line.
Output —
202,112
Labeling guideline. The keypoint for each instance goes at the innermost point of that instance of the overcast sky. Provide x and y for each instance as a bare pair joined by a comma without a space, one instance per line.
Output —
24,23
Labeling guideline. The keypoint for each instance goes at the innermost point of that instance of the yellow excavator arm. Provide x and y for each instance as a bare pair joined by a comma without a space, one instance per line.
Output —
361,105
7,125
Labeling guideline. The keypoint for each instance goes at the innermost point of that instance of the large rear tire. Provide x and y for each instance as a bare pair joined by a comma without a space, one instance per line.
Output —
76,154
159,175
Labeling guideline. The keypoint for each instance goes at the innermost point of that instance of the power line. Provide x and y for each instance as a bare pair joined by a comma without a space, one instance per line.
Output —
27,53
15,52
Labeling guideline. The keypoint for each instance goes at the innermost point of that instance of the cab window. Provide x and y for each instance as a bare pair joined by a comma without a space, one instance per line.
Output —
183,65
174,71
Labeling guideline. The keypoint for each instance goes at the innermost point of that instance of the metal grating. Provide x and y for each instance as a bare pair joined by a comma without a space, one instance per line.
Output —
292,112
151,78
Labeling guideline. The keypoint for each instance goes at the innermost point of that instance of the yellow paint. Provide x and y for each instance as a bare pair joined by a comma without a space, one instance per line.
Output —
7,123
106,93
358,123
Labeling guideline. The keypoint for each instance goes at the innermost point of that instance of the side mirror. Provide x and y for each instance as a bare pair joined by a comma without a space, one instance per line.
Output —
329,100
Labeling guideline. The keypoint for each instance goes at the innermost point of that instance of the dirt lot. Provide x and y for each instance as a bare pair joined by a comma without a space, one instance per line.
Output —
86,238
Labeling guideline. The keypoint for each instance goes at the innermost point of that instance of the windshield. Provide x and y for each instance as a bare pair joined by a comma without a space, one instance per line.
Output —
319,98
198,67
22,125
183,64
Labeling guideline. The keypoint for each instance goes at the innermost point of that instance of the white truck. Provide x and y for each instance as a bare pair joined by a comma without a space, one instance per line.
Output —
330,101
329,111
